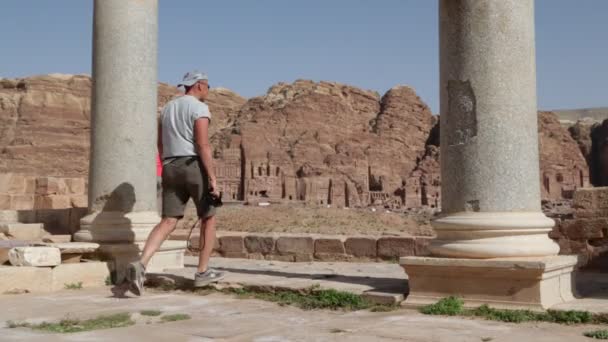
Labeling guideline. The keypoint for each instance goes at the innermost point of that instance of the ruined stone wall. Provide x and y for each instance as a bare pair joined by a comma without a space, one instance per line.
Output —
585,233
58,203
25,192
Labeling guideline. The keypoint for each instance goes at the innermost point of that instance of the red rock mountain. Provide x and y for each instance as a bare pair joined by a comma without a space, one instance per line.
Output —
322,143
45,122
563,166
326,143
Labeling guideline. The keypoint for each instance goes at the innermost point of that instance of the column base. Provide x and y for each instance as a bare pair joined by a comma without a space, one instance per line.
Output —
485,235
122,237
170,255
116,227
535,283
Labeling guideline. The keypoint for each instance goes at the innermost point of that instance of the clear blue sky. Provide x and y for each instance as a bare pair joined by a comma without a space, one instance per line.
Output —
248,45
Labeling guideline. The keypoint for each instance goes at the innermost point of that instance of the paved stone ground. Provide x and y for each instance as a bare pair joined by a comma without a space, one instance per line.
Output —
218,317
383,278
345,276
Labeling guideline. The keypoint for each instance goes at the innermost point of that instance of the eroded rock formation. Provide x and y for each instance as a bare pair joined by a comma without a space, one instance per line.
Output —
45,122
326,143
322,143
563,167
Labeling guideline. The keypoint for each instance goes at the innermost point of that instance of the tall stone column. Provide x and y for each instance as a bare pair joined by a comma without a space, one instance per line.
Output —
122,175
491,206
489,140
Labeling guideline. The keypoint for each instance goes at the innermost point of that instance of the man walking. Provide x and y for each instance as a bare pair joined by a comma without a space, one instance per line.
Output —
183,143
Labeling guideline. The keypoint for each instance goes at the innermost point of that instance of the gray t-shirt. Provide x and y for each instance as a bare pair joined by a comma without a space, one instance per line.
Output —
177,119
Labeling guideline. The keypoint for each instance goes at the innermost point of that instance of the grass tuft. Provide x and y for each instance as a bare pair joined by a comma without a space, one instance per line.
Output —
310,299
598,334
511,316
74,325
152,313
570,317
174,317
73,286
449,306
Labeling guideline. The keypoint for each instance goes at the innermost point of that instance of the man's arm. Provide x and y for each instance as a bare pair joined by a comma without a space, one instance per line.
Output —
203,147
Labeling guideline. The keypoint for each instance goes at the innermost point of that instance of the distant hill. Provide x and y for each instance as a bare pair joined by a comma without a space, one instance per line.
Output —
570,116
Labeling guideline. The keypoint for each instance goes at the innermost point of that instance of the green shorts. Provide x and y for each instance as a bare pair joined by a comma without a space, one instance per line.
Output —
185,178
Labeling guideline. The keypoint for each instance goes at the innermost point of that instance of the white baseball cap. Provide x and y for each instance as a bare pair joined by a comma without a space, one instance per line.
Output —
192,77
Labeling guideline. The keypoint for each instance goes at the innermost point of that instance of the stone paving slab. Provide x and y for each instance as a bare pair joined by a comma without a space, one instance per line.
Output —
71,247
385,280
218,317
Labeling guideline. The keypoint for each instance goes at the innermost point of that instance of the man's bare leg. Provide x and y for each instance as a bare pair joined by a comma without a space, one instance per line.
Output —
206,275
207,240
156,238
136,271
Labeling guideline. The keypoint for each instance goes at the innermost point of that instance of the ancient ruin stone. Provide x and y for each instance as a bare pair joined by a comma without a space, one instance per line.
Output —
393,247
584,229
295,245
22,231
232,244
586,234
324,143
563,167
365,247
423,187
259,244
34,256
591,203
329,246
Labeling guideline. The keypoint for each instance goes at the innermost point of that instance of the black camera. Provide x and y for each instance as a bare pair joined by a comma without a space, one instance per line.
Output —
214,199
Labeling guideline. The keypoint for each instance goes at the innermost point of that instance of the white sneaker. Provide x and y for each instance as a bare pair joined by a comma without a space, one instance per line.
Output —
202,279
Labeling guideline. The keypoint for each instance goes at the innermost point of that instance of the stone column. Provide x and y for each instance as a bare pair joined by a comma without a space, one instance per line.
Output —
489,140
492,244
122,175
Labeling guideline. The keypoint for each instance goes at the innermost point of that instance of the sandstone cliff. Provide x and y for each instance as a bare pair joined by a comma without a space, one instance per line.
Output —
327,143
45,122
563,166
321,143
